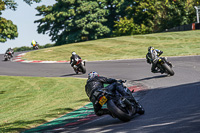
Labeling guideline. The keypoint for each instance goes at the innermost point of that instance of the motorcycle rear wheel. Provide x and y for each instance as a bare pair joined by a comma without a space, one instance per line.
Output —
117,112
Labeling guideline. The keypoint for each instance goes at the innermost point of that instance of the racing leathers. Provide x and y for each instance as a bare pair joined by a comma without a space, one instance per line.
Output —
11,52
74,59
33,43
152,58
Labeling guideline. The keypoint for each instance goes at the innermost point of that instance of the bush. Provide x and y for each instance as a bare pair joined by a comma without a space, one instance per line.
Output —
127,27
25,48
48,45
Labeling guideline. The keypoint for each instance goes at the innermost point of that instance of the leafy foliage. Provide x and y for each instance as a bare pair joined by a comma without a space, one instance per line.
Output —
173,13
31,1
115,9
8,30
72,21
161,15
128,27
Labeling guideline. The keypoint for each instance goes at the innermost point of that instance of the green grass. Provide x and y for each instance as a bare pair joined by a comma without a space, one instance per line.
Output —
125,47
26,102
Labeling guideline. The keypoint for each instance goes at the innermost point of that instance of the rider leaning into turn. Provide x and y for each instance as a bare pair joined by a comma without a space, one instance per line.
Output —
73,59
33,43
152,57
96,82
10,50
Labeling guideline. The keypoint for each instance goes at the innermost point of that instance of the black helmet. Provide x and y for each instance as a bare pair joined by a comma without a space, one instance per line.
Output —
149,48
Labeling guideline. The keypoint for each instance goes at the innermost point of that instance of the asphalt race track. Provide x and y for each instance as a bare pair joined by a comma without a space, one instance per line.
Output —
172,104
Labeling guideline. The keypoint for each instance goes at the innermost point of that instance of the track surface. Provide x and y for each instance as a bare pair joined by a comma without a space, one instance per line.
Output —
171,103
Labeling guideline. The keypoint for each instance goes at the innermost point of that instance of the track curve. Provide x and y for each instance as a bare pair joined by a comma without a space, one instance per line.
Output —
171,103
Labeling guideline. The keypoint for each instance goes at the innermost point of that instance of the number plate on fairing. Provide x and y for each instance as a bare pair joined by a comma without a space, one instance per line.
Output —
103,100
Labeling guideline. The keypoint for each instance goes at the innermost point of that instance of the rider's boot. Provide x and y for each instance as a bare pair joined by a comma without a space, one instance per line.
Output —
155,70
75,69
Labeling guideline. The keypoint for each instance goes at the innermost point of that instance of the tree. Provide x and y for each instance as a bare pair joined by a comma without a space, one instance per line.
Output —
115,9
172,13
162,14
72,20
8,30
86,19
77,20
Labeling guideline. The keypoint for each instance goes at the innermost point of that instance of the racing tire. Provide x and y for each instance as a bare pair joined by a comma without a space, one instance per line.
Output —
5,57
168,69
83,69
117,112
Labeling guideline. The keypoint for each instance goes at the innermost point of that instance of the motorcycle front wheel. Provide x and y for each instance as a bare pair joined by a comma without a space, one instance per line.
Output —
168,69
83,69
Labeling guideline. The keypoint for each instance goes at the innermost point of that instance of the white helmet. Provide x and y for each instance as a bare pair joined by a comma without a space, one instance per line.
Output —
92,74
73,53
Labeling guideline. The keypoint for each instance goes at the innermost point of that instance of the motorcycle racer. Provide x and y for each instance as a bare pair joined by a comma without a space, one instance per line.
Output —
95,83
11,51
152,57
74,58
34,44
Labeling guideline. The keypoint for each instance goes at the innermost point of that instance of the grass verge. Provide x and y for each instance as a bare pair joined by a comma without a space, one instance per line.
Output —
26,102
125,47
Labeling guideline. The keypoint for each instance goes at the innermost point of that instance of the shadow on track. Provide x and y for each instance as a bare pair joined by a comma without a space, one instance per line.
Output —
68,75
153,77
171,109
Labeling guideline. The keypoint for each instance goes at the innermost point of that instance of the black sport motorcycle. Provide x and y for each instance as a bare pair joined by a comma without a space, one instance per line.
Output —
164,66
79,66
119,106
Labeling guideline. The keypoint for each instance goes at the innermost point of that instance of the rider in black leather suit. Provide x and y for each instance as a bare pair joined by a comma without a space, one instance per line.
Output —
10,50
96,82
73,59
152,57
